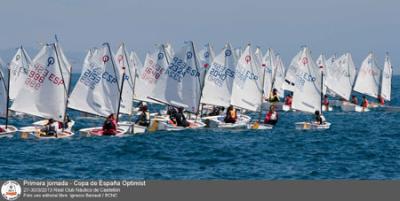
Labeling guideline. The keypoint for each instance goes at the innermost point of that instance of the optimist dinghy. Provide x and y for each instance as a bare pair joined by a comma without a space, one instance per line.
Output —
308,94
312,126
218,122
98,131
163,123
48,95
11,130
350,107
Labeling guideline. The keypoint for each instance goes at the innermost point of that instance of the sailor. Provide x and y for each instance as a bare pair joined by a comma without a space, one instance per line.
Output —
181,119
216,111
272,116
144,116
274,98
325,102
364,103
50,129
231,115
288,100
319,118
354,100
110,125
381,101
171,112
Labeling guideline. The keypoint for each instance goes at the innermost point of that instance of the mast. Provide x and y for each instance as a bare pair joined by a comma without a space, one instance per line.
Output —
201,84
133,84
262,94
115,73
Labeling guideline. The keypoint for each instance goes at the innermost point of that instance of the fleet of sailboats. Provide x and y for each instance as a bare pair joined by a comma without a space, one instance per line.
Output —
188,79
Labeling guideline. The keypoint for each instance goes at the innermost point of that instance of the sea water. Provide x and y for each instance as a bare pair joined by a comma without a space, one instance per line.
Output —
357,146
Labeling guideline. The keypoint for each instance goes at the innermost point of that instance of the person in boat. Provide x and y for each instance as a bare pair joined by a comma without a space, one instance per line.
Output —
171,112
319,118
325,102
144,116
110,125
274,98
231,115
354,100
381,101
65,125
272,116
180,118
50,129
364,103
288,100
217,110
2,130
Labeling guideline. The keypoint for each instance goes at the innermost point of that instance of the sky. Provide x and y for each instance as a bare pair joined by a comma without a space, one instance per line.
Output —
329,27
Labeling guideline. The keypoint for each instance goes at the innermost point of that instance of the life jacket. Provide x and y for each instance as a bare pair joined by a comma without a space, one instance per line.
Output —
288,101
270,116
381,101
326,102
110,127
364,103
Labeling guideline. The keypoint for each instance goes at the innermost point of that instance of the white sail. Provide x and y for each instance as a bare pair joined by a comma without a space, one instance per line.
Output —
279,83
219,79
121,59
143,85
180,84
19,68
206,56
259,55
342,73
369,77
3,95
97,91
306,77
247,88
269,64
45,87
386,86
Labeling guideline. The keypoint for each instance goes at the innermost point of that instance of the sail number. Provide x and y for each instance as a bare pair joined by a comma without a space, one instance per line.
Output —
39,74
218,74
177,69
152,72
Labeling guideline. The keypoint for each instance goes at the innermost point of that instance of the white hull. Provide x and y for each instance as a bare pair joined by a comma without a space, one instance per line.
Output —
11,130
218,122
41,123
137,129
255,126
35,131
94,131
162,123
350,107
312,126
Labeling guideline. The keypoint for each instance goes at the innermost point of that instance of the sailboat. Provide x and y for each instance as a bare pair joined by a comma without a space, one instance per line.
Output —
6,130
218,86
274,71
98,90
19,68
386,84
46,88
179,86
247,91
307,79
368,82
